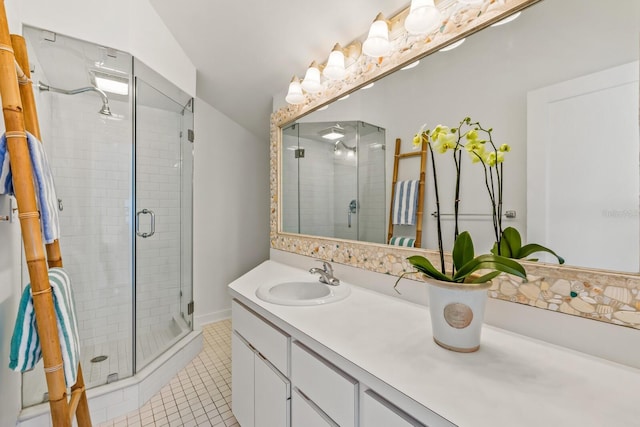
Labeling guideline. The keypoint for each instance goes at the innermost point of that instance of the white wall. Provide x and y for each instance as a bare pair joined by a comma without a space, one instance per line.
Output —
131,26
231,208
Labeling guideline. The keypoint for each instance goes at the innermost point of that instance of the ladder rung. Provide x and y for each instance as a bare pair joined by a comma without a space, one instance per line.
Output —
411,154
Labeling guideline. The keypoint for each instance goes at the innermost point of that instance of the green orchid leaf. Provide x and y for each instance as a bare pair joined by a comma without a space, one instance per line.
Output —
424,266
486,277
462,250
532,248
494,249
491,262
510,243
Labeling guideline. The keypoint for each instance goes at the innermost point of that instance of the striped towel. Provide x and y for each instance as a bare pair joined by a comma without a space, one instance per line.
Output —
42,181
25,342
405,202
402,241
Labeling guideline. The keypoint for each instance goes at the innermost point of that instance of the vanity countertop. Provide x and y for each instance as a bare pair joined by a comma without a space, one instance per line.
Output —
512,380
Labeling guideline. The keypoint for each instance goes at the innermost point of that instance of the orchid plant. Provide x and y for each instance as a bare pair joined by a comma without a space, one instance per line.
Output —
508,245
466,266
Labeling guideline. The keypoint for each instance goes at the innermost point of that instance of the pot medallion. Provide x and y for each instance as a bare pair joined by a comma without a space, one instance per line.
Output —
458,315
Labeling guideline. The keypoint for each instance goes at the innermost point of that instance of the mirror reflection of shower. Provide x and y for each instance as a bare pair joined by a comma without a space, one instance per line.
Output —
104,110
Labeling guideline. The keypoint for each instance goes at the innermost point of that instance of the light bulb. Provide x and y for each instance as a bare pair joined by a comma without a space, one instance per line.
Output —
311,82
423,17
377,43
334,70
295,95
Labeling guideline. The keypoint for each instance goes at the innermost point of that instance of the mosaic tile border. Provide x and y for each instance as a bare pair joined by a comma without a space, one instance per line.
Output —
594,294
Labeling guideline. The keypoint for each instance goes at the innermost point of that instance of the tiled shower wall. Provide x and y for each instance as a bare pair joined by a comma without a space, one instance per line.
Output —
91,158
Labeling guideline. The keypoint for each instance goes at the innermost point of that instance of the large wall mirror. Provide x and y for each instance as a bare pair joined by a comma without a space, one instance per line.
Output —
559,84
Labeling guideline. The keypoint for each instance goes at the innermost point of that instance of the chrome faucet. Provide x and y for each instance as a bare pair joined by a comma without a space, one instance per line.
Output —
326,274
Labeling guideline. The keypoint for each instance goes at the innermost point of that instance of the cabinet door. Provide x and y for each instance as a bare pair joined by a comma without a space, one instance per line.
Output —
242,381
305,413
272,392
378,412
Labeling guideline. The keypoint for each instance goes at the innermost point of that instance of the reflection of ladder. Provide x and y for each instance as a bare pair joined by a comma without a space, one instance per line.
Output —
422,153
19,112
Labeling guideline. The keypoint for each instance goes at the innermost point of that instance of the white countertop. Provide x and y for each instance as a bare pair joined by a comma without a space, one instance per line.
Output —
511,381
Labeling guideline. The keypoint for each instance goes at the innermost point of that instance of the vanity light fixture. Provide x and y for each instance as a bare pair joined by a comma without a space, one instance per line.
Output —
377,43
311,82
333,133
423,17
335,69
295,95
507,19
452,45
410,66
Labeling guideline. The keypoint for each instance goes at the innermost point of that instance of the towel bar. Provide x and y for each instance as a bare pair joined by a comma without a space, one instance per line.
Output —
507,214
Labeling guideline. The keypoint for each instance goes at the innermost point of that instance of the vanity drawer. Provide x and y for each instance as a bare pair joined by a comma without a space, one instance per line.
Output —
333,391
268,340
378,412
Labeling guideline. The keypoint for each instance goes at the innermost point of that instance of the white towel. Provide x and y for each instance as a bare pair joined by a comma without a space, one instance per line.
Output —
42,181
408,242
405,202
25,342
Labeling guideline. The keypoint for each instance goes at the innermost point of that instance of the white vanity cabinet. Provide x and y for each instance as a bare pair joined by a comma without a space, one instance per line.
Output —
260,390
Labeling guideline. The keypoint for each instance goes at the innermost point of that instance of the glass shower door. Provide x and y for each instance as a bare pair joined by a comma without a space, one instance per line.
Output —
162,221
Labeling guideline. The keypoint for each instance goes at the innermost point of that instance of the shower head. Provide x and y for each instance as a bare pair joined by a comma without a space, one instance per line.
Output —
105,110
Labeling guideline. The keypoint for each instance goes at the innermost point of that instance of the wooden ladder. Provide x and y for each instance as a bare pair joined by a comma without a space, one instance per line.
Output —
20,115
422,153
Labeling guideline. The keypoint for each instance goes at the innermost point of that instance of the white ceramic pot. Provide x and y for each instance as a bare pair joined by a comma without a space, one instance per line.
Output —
457,313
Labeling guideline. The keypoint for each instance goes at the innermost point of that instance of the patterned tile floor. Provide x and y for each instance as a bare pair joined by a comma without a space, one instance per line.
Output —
199,395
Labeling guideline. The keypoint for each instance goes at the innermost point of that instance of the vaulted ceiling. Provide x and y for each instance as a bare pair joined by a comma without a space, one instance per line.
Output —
247,51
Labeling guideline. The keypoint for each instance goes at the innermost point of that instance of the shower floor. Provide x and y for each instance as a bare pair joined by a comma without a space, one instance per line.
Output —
119,357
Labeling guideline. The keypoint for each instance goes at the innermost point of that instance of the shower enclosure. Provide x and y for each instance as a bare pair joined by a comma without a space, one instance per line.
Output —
119,139
333,180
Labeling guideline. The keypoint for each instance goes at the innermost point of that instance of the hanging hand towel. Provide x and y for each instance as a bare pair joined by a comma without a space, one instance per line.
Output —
405,202
407,242
42,181
25,342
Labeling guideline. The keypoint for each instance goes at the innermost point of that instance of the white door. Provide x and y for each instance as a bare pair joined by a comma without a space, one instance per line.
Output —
271,395
582,169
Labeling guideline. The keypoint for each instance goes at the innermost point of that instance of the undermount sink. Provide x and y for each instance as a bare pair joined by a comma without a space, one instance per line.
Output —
302,293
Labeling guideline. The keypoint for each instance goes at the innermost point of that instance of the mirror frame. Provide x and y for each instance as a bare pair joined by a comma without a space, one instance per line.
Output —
604,295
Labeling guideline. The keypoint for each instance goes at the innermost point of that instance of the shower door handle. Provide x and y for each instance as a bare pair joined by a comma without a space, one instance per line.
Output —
153,223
